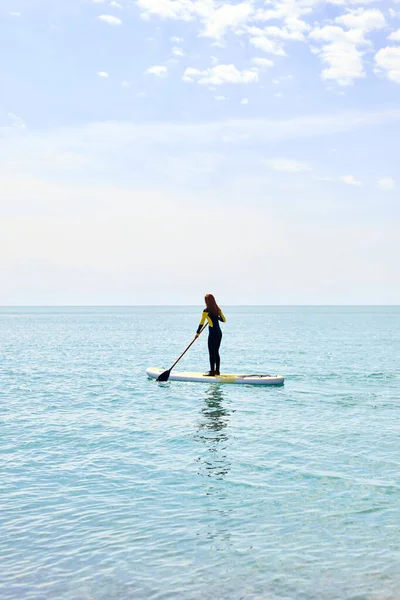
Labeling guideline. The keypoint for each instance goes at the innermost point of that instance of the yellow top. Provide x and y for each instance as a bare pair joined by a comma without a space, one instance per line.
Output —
206,316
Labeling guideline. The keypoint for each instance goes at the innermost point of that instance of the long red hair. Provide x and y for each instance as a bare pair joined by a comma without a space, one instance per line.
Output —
211,305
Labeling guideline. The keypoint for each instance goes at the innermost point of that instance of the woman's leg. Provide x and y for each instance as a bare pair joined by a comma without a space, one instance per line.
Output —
217,357
211,352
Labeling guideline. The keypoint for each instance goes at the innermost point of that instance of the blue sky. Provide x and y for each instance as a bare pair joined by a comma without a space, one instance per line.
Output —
153,151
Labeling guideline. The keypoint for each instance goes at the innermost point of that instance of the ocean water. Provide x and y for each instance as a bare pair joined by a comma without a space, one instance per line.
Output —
116,487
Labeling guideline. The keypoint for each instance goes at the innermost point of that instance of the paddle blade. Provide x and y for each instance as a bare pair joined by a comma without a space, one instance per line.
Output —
164,376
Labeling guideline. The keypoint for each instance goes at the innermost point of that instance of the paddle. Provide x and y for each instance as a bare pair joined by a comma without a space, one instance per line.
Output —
165,376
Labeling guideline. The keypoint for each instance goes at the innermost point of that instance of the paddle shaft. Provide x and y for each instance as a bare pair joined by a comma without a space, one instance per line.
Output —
192,342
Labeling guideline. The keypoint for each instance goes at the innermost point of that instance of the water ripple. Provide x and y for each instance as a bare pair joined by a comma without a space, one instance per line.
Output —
114,487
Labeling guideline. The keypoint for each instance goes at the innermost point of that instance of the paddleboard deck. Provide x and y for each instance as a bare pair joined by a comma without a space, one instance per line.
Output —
242,378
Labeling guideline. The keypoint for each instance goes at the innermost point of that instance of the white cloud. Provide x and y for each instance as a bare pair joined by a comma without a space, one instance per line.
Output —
218,45
386,183
291,28
289,11
365,20
158,70
116,4
351,2
341,52
227,16
219,74
284,34
184,10
110,19
125,84
102,74
219,98
287,166
345,63
216,20
125,135
278,80
176,40
388,61
16,122
176,51
350,180
341,46
394,36
14,14
244,101
335,34
347,179
267,45
262,63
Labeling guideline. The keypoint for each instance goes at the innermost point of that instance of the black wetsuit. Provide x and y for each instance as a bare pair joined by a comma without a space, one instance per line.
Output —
214,338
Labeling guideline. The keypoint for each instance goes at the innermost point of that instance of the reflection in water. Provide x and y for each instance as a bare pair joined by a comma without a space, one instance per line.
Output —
212,432
214,465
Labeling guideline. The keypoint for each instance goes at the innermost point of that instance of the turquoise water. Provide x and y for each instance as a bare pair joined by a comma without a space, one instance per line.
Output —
116,487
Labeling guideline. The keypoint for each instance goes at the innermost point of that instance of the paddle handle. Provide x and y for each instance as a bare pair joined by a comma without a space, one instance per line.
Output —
192,342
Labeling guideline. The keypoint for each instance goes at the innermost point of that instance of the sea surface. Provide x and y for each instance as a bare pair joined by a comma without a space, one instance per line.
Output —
116,487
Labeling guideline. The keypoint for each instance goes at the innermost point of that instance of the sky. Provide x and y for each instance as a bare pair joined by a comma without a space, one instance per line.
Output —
153,151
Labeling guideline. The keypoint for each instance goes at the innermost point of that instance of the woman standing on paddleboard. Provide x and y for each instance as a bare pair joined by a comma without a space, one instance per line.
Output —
213,314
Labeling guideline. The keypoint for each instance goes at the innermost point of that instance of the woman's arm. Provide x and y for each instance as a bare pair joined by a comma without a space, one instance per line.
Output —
221,316
202,321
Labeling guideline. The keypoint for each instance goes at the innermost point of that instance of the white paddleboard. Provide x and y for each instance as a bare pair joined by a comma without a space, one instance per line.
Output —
153,373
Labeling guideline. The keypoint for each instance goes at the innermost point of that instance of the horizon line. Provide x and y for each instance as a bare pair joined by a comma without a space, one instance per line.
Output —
186,305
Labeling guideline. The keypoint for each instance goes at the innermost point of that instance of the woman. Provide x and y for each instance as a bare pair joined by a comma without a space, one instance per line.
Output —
213,314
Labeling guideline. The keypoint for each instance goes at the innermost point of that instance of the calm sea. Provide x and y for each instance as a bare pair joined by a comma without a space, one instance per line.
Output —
116,487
